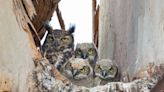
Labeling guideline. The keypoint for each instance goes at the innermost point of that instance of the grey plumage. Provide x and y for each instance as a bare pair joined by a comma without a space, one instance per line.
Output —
87,51
106,71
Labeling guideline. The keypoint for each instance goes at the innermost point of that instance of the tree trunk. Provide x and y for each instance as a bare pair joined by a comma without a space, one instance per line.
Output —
18,49
131,33
16,58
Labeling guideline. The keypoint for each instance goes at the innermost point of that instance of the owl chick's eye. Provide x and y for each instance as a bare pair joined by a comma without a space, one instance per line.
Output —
84,70
79,52
98,68
90,51
111,70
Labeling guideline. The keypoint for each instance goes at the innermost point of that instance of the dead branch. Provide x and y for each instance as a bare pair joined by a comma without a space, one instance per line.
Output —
96,26
59,15
95,15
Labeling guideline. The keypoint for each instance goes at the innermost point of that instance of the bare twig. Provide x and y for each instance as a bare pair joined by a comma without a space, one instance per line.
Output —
59,15
95,15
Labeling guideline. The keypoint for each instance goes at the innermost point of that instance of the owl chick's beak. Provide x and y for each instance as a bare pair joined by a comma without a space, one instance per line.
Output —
104,73
84,56
74,73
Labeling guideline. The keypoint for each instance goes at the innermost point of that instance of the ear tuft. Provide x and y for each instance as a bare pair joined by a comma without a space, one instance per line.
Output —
46,25
71,29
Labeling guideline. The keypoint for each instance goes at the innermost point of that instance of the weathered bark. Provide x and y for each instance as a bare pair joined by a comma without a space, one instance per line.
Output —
135,29
107,37
15,51
131,33
95,13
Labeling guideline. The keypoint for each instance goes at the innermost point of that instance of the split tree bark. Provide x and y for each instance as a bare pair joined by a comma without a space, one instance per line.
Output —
18,49
16,56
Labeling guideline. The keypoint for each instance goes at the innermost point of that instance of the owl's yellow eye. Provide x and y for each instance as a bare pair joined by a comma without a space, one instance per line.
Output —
82,70
64,39
111,70
90,51
51,38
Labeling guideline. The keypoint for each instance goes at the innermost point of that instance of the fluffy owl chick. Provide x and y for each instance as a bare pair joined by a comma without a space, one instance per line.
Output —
87,51
106,71
59,45
79,72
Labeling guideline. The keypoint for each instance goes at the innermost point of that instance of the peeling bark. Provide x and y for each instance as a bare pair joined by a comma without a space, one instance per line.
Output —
24,22
31,12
